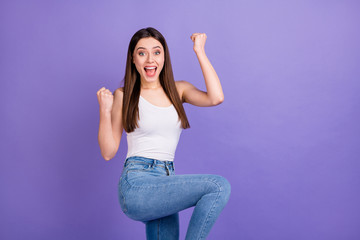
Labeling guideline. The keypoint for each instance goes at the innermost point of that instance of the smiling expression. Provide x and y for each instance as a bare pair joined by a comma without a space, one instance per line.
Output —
148,54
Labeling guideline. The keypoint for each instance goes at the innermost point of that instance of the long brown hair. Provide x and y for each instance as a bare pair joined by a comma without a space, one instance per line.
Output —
130,110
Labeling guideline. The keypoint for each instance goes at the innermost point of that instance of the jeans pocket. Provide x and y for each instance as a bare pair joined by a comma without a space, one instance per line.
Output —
137,171
138,167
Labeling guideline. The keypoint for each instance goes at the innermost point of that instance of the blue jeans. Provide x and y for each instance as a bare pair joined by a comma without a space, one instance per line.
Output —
149,191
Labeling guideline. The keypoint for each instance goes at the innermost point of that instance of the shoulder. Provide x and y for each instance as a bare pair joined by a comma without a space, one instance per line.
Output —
118,94
182,85
119,91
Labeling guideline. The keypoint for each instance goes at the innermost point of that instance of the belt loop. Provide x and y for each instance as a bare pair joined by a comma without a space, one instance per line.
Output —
153,163
167,169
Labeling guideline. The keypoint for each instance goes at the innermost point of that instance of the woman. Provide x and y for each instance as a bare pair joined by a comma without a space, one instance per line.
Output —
149,108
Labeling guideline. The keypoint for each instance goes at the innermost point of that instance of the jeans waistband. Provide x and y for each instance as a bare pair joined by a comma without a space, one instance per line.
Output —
151,161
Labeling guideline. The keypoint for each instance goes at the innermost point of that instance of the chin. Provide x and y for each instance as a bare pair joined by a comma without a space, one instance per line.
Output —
147,79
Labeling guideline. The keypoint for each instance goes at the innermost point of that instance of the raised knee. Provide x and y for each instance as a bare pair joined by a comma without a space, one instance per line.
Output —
226,188
223,186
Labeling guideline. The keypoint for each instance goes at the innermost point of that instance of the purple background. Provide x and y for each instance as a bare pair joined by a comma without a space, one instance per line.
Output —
286,137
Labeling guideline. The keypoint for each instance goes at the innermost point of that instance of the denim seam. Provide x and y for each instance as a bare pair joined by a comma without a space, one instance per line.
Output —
145,161
125,179
158,235
167,184
171,173
211,210
147,164
123,197
140,170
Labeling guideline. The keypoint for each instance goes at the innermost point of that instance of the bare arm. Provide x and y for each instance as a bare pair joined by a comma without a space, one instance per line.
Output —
214,94
105,136
110,126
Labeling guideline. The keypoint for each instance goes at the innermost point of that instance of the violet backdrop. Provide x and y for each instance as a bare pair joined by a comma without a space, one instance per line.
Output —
286,137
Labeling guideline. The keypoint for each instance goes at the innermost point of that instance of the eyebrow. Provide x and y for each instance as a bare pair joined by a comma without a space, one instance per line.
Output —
145,48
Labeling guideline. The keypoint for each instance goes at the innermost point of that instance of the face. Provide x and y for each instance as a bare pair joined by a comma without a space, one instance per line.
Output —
149,58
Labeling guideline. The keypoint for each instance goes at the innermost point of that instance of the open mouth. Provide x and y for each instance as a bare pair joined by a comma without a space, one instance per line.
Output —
150,71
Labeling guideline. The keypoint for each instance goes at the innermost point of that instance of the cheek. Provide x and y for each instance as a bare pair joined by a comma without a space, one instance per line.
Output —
138,65
161,62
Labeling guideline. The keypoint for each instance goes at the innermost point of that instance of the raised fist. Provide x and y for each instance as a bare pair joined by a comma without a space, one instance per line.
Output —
105,98
199,40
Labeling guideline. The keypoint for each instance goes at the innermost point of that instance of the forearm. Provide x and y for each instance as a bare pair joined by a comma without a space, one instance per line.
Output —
213,85
105,136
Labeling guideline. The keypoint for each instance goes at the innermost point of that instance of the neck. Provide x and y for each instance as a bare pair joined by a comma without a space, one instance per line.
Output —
153,85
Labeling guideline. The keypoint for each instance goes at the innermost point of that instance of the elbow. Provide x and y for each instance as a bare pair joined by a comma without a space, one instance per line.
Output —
218,101
108,157
108,154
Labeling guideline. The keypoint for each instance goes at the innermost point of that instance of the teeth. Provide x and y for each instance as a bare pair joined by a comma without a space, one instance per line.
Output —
150,67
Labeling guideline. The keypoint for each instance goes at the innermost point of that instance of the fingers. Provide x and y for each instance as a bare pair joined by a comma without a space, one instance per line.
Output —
103,91
100,90
97,93
194,35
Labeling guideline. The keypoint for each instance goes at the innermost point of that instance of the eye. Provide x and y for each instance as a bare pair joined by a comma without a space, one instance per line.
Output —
140,53
157,52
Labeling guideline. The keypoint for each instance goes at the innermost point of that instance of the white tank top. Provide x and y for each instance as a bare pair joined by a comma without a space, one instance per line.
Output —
158,133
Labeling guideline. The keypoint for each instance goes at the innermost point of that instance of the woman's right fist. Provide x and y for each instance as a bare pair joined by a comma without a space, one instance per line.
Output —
105,98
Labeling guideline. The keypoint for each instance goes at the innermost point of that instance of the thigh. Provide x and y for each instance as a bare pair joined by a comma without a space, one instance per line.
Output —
163,228
149,196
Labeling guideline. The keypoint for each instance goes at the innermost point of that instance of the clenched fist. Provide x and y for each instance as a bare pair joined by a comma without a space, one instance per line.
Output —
199,40
105,98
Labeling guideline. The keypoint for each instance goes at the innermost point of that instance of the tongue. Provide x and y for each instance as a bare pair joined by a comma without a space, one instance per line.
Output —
150,72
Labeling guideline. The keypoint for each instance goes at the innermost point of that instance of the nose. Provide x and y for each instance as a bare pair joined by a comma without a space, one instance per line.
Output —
150,58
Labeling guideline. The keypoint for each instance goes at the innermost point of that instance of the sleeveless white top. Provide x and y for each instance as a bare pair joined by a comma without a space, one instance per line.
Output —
158,133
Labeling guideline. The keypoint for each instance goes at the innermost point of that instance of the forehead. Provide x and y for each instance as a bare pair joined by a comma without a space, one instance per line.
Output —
148,43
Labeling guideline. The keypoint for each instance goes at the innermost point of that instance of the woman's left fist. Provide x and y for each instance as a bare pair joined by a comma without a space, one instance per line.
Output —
199,40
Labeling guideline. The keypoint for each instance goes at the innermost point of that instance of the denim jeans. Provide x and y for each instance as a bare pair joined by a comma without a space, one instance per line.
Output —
150,192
